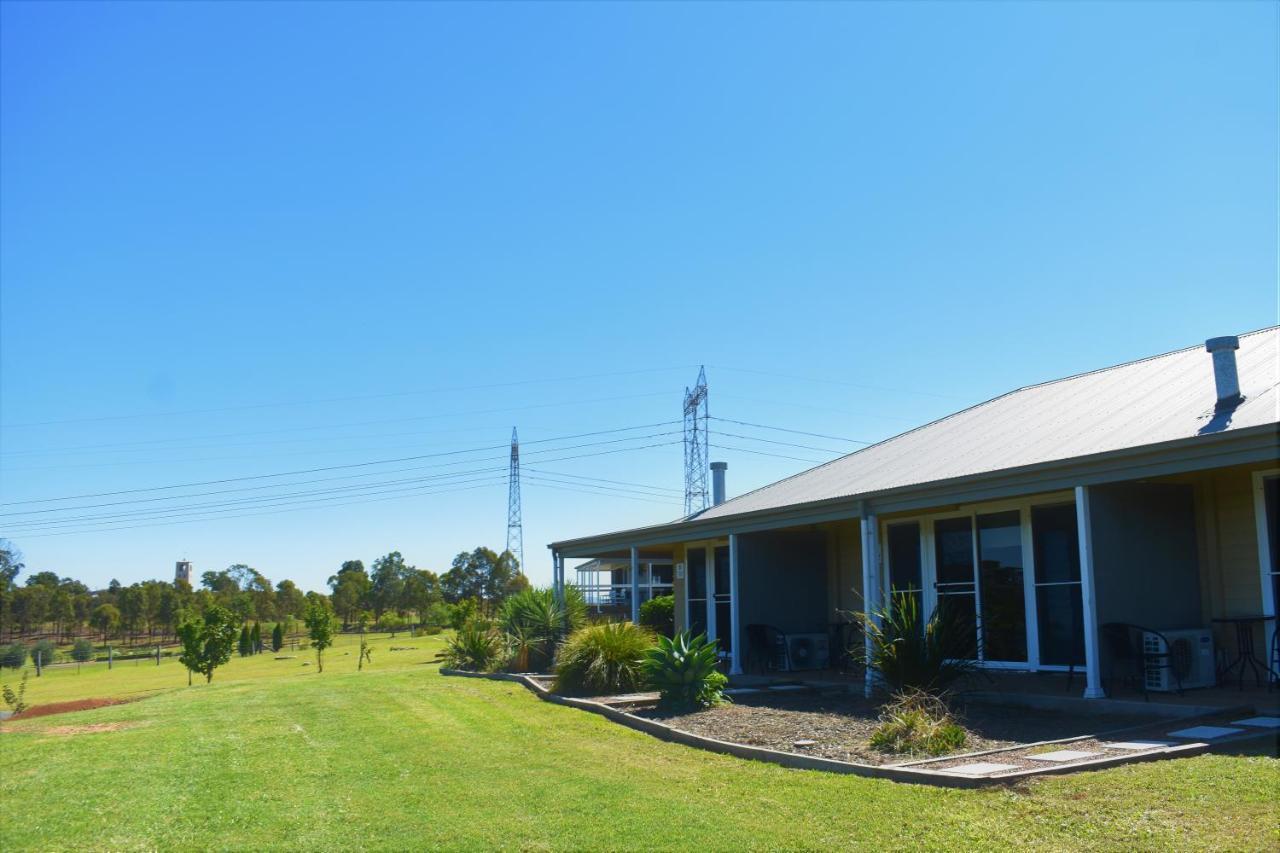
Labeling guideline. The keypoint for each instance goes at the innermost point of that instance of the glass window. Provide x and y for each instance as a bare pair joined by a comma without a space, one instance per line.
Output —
954,541
1057,544
662,574
1004,609
696,573
724,630
904,563
953,549
1059,609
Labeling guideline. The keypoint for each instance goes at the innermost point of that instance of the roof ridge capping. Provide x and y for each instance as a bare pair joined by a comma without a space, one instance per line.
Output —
966,409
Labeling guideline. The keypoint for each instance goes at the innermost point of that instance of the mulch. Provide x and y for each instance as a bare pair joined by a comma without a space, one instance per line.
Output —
68,707
840,726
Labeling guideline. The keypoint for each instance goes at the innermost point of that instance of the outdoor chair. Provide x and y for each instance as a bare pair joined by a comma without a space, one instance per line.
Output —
1124,642
766,649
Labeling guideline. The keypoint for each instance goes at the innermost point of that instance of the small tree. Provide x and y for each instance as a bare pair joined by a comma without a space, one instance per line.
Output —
207,642
277,637
82,651
105,618
366,654
255,638
13,656
319,621
245,646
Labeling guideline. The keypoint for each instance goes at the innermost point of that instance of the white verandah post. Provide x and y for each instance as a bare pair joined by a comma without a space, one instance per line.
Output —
635,584
870,588
735,633
1089,605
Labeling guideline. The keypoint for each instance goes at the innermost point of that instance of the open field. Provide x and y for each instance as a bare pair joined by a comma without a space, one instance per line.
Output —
272,756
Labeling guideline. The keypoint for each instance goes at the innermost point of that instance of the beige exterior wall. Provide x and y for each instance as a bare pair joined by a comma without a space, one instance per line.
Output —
844,568
1227,536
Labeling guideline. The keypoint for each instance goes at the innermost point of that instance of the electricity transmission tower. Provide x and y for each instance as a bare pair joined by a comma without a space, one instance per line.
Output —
515,528
696,451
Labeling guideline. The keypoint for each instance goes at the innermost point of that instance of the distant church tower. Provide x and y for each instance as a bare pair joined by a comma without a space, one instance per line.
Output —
182,572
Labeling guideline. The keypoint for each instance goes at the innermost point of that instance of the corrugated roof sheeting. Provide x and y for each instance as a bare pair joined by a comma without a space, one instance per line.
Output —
1158,399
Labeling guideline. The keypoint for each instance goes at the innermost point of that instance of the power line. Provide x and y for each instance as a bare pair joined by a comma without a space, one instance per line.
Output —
453,474
783,443
617,482
285,404
763,453
322,469
256,514
884,388
795,431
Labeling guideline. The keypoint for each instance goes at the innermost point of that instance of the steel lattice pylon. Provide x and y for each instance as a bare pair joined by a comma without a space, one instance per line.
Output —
696,451
515,527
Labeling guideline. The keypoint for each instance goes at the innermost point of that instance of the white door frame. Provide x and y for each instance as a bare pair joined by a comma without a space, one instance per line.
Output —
1269,604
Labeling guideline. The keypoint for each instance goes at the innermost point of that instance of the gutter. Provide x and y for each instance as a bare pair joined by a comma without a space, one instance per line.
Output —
1184,455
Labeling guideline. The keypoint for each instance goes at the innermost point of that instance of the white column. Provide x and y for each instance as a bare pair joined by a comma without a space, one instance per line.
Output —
1093,666
557,575
635,584
735,632
870,585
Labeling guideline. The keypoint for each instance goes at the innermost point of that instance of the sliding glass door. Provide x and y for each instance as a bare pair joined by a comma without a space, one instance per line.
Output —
1059,608
723,600
1002,609
954,570
696,560
905,566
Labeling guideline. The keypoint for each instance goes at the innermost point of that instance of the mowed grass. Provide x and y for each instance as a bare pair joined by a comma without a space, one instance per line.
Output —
274,756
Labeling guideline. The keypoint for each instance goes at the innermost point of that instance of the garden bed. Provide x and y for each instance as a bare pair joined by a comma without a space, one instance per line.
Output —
839,727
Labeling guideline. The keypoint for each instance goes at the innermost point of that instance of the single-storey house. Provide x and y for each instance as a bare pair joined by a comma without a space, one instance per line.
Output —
1142,494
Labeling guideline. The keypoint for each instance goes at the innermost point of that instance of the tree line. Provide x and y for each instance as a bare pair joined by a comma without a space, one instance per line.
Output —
391,591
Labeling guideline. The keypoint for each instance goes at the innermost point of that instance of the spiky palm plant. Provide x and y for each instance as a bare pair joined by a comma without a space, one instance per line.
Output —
536,622
909,655
685,671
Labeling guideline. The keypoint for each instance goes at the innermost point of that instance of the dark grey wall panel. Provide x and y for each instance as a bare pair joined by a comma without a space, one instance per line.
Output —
1146,565
782,578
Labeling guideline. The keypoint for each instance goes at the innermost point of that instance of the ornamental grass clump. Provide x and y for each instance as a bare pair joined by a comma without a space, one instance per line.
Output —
916,722
476,647
685,671
603,659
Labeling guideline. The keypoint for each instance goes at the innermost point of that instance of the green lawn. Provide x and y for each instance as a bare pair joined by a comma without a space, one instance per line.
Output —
399,757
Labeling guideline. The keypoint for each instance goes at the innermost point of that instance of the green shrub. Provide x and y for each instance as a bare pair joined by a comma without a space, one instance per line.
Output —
391,622
908,656
684,670
245,646
82,650
536,622
916,722
476,647
255,639
47,650
431,630
438,615
603,659
463,613
13,655
658,614
277,637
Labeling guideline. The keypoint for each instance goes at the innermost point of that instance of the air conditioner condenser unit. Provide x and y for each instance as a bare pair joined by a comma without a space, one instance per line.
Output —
1190,652
808,651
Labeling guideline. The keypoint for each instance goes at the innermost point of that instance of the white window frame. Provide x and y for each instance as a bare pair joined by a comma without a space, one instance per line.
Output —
929,568
1269,604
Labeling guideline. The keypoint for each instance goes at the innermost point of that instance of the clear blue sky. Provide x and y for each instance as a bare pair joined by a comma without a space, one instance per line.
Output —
240,239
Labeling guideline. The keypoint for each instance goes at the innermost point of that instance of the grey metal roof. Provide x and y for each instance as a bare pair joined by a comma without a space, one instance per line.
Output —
1165,401
1157,399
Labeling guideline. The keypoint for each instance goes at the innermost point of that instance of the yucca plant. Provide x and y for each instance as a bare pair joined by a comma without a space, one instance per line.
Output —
603,659
476,647
908,655
536,622
684,670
